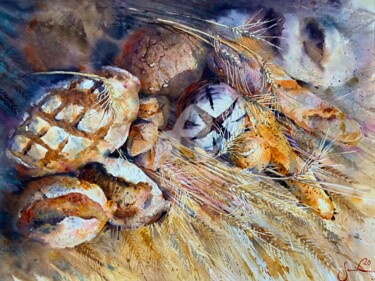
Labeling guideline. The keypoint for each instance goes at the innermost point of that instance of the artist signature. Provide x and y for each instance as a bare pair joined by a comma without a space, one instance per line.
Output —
343,275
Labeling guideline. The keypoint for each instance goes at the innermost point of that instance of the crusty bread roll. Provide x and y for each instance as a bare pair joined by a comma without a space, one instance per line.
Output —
139,200
62,211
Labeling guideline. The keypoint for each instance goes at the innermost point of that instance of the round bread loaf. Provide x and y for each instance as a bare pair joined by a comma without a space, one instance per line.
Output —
166,62
209,113
77,122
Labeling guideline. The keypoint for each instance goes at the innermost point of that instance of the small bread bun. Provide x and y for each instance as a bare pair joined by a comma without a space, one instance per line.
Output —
156,156
251,152
142,137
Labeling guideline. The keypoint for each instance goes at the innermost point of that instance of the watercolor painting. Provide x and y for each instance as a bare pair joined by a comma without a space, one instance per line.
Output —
187,140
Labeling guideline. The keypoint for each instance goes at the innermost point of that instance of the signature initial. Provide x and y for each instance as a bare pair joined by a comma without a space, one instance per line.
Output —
343,275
